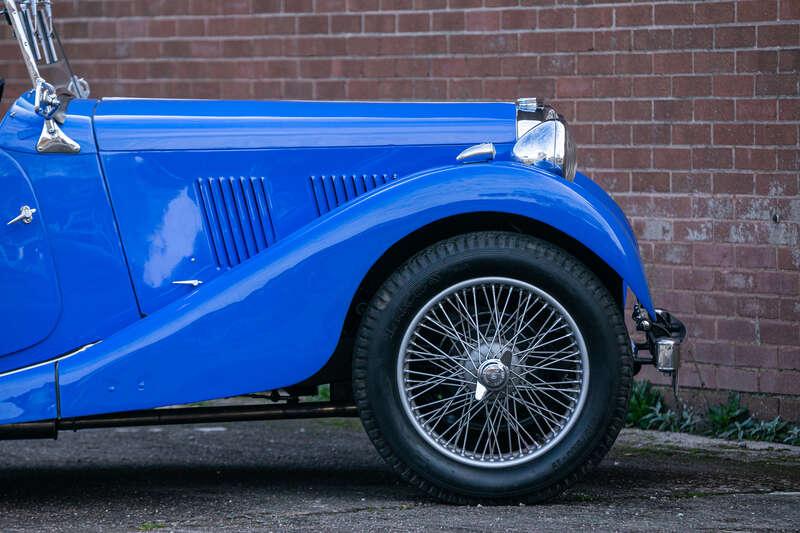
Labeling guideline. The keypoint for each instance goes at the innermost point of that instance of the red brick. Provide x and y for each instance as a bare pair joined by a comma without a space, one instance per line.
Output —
672,158
780,382
672,110
789,10
650,182
632,158
482,20
788,110
781,333
594,17
714,13
714,304
593,111
652,39
613,40
707,158
691,85
707,62
755,356
757,61
448,21
612,134
733,183
755,158
651,86
753,110
715,255
673,14
739,330
735,37
692,38
773,134
636,15
380,23
783,35
733,133
733,85
634,110
690,182
518,20
777,84
790,310
714,110
574,41
596,64
756,257
671,63
789,61
737,378
651,133
776,185
557,18
695,280
626,63
757,10
691,134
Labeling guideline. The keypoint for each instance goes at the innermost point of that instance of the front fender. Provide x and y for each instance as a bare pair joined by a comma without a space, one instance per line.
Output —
275,320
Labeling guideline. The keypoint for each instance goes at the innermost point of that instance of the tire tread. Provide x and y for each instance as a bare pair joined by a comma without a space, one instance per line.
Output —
439,252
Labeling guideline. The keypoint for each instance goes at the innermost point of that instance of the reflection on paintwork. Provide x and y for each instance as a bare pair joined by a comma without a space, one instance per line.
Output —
248,329
67,267
28,395
31,301
173,240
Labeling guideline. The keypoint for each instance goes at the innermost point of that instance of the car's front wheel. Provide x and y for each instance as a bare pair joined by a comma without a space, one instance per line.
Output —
492,367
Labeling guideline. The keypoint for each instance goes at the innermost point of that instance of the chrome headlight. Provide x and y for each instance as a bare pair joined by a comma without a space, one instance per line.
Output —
548,145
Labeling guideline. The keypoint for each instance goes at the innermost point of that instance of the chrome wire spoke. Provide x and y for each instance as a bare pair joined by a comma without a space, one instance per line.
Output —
536,389
442,352
492,371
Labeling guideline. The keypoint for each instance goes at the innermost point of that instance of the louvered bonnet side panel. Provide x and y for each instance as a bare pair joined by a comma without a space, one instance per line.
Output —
332,191
237,216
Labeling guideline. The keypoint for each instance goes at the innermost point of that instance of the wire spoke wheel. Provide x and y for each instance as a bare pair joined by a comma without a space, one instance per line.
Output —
493,372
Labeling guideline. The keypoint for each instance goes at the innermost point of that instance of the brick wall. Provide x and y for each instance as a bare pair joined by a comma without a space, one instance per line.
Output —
687,112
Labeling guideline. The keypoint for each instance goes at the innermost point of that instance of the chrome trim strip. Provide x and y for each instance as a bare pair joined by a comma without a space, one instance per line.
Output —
49,361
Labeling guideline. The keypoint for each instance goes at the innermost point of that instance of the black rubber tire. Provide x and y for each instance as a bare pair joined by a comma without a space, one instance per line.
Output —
469,256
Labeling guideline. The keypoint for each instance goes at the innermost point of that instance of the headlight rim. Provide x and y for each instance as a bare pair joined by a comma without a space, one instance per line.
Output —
548,144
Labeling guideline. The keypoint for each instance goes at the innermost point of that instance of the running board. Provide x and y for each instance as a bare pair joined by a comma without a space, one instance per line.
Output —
178,415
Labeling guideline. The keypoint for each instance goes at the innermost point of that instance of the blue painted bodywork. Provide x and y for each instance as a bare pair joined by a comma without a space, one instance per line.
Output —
279,208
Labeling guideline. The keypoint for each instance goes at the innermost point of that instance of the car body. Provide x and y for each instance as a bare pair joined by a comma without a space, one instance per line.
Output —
168,252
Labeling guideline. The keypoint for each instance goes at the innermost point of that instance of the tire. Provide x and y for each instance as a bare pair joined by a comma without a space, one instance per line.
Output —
557,434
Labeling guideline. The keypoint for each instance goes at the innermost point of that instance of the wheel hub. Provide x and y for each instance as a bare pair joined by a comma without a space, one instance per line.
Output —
493,374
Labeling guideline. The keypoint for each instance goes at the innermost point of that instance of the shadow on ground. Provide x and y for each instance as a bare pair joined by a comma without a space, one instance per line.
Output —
325,475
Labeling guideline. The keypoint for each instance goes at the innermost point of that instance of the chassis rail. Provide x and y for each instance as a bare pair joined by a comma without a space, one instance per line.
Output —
178,415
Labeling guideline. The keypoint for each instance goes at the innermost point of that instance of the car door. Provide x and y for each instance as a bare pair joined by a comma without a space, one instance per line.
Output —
30,299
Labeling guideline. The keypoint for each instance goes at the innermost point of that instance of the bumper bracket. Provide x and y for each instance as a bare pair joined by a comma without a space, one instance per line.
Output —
663,338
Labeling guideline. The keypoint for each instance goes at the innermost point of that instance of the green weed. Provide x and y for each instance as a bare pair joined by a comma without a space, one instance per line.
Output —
730,420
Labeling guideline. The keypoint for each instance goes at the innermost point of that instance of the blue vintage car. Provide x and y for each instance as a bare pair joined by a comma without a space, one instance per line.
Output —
442,267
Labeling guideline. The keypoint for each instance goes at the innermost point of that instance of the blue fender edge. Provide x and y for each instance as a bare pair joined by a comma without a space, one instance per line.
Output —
276,319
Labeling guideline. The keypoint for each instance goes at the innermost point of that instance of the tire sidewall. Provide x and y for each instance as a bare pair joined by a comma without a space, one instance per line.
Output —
536,264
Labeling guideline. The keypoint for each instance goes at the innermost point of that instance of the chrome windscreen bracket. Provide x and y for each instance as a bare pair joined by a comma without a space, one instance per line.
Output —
54,141
32,23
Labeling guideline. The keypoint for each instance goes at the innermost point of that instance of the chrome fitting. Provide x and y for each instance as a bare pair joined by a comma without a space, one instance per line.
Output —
668,355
